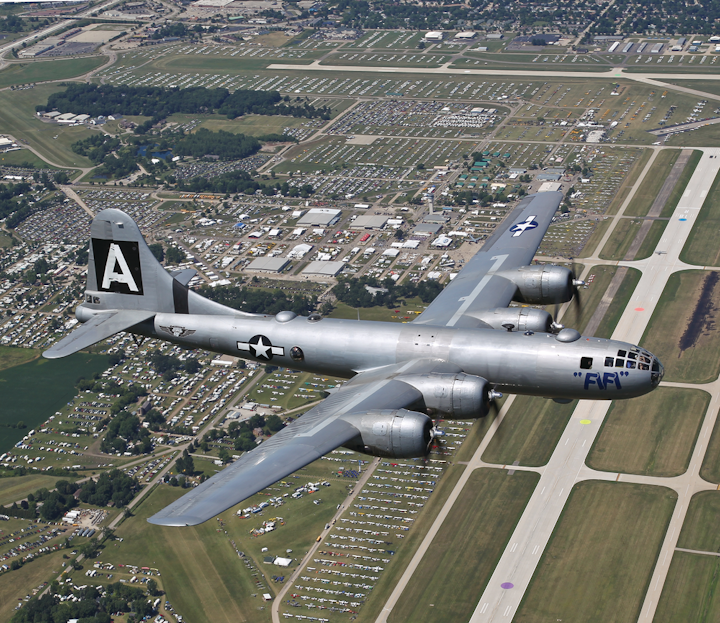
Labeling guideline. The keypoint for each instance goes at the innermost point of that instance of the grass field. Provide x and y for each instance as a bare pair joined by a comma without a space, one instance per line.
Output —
457,566
17,117
648,246
701,247
699,530
598,563
255,125
691,589
710,469
677,319
23,157
22,400
682,183
202,575
690,593
40,71
16,584
10,356
699,85
653,435
528,434
707,136
622,237
17,488
650,186
619,303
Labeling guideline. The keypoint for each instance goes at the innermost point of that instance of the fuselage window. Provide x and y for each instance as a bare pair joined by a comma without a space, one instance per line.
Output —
586,363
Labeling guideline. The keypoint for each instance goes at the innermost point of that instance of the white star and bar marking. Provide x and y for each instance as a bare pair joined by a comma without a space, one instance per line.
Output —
259,346
519,228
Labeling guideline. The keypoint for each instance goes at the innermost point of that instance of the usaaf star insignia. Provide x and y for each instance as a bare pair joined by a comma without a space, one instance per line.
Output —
178,331
259,346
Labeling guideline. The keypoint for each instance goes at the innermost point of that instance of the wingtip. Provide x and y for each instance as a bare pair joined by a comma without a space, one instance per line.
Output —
174,522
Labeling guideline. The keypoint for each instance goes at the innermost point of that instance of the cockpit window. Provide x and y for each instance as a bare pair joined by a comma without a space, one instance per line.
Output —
621,353
586,363
630,364
609,362
619,363
632,356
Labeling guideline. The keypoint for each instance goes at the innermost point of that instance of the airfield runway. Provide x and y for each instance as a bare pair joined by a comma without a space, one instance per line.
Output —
566,467
655,79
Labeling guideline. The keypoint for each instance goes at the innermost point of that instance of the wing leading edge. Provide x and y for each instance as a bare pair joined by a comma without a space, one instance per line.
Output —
513,244
316,433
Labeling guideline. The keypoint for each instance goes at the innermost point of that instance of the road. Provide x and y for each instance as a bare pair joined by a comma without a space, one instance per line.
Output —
70,193
30,39
566,467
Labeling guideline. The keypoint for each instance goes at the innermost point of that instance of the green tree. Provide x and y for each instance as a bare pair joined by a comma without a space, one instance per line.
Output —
174,255
157,250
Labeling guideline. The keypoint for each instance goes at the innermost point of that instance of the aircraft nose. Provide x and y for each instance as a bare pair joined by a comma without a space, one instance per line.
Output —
656,373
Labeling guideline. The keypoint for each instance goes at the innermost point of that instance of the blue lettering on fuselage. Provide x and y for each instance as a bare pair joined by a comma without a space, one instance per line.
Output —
602,380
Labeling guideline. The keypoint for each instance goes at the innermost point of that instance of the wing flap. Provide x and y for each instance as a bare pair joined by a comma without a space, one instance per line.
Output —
98,328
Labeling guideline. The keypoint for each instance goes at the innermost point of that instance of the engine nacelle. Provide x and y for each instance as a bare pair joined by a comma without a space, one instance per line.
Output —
460,395
398,434
541,285
522,318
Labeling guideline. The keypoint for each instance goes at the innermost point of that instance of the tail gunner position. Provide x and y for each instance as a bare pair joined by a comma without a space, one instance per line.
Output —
452,361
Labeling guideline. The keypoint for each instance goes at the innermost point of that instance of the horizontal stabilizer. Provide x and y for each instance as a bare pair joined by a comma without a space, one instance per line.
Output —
99,327
184,276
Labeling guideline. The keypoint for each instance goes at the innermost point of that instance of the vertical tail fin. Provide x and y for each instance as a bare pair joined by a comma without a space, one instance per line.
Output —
123,274
122,271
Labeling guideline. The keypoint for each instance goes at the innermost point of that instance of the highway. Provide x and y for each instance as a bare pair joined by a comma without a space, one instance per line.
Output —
566,467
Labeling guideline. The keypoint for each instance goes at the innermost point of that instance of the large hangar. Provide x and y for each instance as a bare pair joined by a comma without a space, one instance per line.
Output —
320,217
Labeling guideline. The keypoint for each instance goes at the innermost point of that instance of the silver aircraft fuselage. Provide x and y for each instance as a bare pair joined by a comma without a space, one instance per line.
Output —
536,364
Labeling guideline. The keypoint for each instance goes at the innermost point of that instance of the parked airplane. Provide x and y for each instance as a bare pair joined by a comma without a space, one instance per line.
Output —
452,361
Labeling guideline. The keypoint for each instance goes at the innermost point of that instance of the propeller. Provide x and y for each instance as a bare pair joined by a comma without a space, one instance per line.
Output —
575,285
435,434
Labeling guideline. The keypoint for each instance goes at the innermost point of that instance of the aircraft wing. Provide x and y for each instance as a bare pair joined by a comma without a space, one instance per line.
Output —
305,440
513,244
